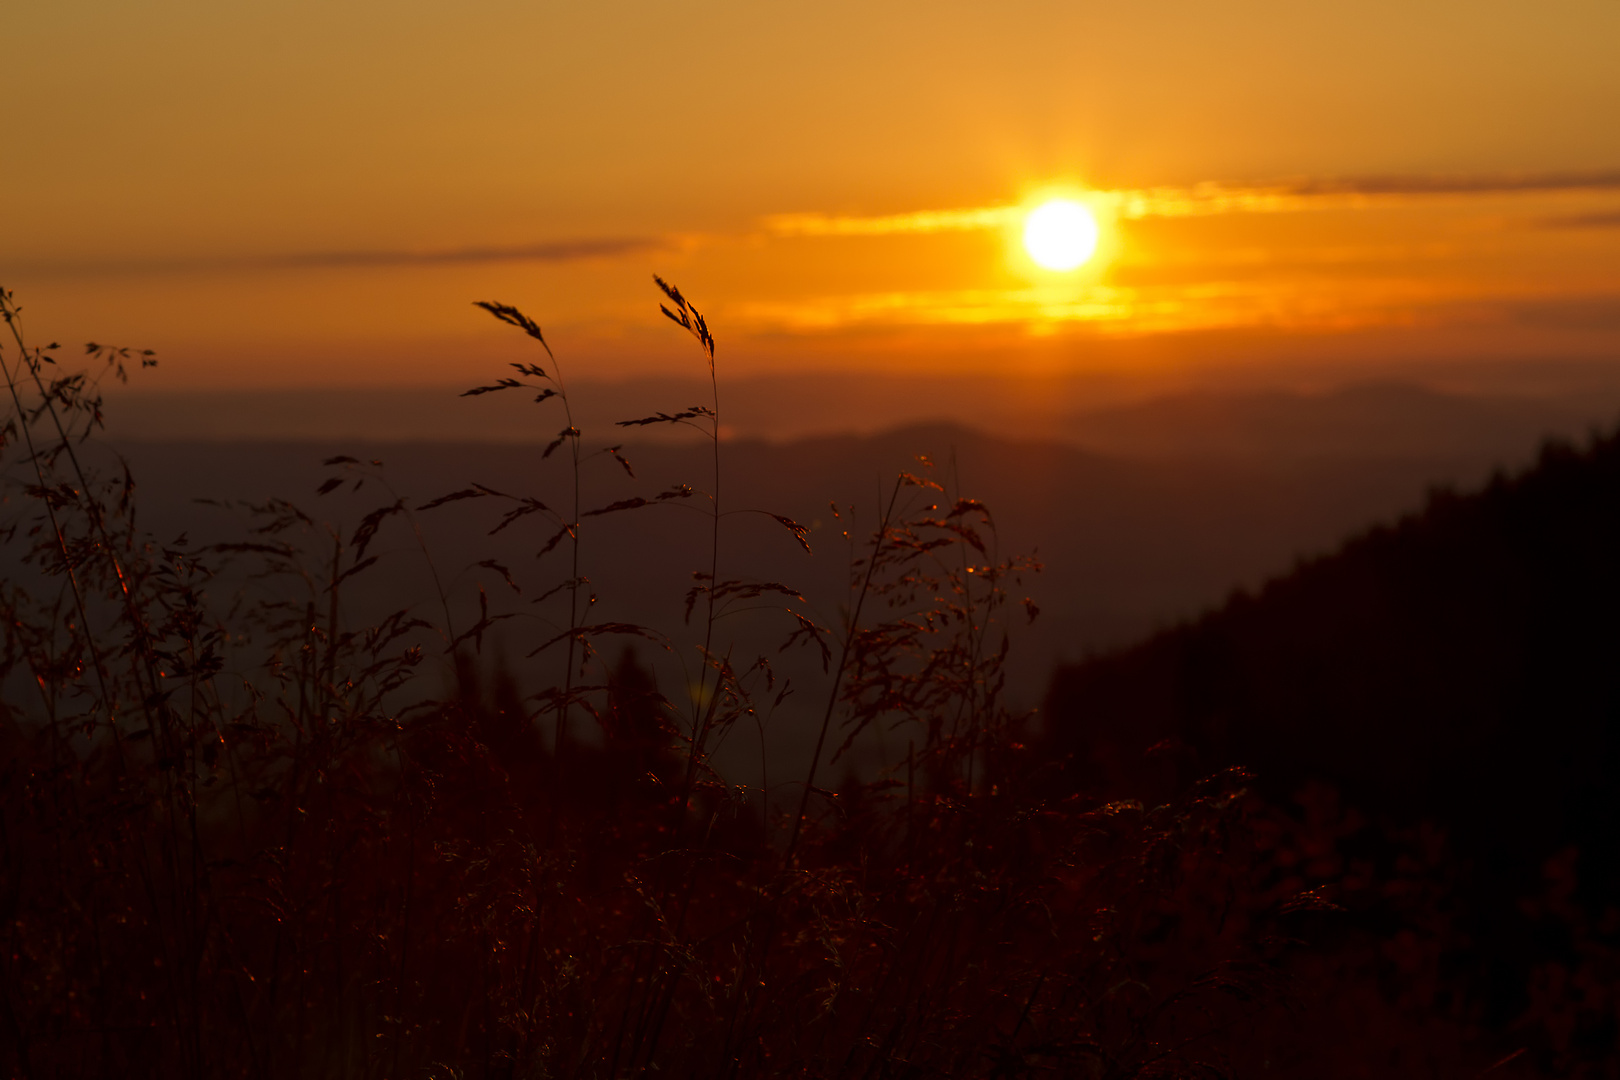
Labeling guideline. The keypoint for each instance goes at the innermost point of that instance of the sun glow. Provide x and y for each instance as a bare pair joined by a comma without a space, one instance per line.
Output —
1060,234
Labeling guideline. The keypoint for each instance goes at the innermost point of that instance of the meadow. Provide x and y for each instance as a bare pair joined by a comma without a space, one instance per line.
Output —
255,825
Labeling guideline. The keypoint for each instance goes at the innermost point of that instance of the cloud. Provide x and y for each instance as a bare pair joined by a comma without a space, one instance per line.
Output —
1129,203
1606,220
1103,308
553,251
921,221
1477,184
1196,200
1598,313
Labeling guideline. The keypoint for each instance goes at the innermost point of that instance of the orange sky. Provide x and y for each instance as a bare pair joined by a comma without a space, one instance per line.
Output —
313,193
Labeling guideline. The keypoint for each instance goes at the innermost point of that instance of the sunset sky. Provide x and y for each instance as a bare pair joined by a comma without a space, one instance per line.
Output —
311,193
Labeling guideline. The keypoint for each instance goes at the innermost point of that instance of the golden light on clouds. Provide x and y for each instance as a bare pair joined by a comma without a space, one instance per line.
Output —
1316,255
853,183
920,221
1060,234
1062,261
1129,203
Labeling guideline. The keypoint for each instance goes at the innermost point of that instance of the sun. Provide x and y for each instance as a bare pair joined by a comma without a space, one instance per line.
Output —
1060,234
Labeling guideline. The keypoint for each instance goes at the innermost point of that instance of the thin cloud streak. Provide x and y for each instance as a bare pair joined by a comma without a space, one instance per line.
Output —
1218,304
554,251
922,221
550,252
1215,198
1610,220
1484,184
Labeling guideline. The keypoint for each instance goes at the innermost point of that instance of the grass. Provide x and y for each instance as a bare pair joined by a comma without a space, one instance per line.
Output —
245,835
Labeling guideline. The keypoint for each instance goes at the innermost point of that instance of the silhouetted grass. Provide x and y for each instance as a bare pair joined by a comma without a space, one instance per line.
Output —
247,835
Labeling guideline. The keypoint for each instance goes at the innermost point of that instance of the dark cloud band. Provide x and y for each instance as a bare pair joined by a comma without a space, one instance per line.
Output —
1605,220
1482,184
549,252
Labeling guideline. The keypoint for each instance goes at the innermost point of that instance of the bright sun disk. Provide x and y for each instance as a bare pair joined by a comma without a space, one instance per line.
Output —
1060,234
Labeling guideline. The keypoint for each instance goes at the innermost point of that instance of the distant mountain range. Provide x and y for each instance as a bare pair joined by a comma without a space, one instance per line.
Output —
1382,420
1375,420
1144,513
1129,544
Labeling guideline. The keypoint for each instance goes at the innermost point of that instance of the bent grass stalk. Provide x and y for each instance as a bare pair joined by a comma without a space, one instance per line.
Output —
513,317
706,700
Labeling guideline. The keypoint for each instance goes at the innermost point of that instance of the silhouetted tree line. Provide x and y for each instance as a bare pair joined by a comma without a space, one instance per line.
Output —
1438,703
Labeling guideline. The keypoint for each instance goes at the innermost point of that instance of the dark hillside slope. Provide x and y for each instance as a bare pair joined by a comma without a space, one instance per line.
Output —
1466,656
1467,647
1460,668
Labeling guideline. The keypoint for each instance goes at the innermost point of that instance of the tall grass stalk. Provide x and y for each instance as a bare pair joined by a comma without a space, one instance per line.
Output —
571,435
706,699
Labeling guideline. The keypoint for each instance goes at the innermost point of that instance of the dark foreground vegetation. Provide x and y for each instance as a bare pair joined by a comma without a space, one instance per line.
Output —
251,829
1440,700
